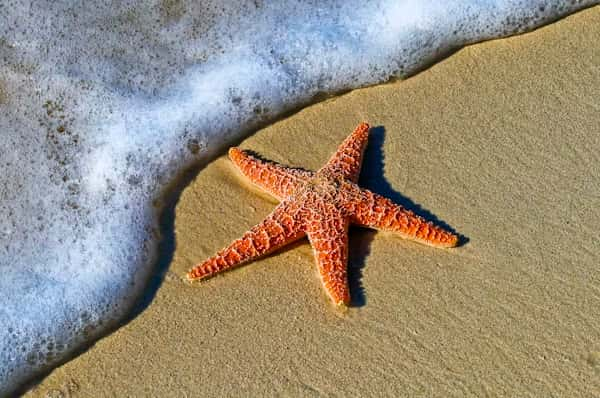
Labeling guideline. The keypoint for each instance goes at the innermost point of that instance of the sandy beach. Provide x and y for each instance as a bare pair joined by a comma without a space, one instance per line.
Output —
501,142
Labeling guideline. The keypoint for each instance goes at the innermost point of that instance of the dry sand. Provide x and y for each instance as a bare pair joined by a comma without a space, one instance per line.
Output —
501,141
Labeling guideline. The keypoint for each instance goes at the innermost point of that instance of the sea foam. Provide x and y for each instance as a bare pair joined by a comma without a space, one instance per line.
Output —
102,104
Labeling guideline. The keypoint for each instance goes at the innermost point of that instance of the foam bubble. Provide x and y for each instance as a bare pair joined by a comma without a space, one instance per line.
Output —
103,104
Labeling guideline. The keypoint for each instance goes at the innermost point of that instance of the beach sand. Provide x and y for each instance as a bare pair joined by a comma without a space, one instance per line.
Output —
500,141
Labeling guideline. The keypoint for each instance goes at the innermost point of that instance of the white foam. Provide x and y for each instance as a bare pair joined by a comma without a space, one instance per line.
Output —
102,105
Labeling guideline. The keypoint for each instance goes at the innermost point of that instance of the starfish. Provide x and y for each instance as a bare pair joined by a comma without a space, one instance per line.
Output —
320,205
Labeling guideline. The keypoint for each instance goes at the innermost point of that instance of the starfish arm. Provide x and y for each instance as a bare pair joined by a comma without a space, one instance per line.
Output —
278,229
328,236
278,180
378,212
347,160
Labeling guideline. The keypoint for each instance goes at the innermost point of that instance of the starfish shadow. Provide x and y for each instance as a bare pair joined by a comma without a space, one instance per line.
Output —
359,247
372,177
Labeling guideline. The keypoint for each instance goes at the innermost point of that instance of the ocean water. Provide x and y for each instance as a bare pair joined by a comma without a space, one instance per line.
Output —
102,105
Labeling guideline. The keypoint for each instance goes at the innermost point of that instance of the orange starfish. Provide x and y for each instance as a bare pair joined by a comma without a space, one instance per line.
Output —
320,205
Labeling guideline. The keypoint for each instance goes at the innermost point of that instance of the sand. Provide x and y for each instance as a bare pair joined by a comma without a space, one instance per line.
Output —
501,142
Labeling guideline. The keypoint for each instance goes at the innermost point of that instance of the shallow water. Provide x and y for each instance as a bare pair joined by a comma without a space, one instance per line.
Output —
103,105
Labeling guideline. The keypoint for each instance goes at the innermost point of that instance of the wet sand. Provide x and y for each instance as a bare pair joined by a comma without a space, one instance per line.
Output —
501,142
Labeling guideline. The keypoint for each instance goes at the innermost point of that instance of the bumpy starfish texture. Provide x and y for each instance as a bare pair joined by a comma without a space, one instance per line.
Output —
320,205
